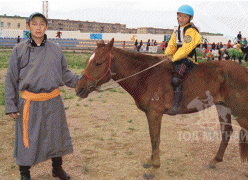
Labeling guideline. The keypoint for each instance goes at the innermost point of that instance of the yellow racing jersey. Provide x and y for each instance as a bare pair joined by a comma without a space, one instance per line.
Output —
190,40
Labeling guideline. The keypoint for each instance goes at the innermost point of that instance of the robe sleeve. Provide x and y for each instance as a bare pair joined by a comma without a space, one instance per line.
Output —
11,84
68,77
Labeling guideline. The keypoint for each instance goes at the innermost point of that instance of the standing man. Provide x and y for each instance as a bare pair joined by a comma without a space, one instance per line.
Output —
147,45
37,69
239,36
58,34
18,39
163,46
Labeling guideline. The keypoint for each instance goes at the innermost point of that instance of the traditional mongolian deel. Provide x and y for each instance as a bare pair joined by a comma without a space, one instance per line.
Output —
41,70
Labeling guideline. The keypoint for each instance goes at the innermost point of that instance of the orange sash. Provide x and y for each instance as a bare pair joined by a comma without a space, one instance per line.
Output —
28,96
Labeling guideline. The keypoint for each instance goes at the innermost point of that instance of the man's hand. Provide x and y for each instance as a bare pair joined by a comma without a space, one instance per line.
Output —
14,115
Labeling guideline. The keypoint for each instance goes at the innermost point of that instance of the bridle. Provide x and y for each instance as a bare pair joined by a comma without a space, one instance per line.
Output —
112,74
97,80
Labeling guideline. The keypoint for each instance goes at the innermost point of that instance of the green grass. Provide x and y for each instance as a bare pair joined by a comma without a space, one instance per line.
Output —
2,94
76,60
113,90
4,59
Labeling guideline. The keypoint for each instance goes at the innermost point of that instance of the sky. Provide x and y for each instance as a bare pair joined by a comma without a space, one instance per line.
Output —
225,17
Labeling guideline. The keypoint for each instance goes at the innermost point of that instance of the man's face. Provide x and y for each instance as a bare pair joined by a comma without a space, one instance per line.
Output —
183,19
37,26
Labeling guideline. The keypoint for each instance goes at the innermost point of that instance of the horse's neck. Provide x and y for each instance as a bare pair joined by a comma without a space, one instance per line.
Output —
122,65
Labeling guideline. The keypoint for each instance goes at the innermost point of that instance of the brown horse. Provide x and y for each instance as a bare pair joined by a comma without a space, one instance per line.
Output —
220,83
224,54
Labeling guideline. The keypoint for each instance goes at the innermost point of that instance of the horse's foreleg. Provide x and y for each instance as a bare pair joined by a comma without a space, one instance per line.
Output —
226,131
154,121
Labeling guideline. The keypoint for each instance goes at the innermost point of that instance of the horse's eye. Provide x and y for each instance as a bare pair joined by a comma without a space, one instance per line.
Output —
98,63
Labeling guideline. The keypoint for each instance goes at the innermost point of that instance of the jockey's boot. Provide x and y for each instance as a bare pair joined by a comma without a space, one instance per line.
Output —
57,169
25,172
178,94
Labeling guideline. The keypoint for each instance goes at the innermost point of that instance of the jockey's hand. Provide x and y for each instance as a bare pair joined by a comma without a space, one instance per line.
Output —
169,58
14,115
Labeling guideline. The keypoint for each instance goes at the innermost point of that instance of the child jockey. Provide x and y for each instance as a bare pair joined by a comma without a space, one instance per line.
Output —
180,51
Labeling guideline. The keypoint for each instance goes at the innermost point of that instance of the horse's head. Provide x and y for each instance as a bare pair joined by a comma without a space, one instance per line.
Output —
97,69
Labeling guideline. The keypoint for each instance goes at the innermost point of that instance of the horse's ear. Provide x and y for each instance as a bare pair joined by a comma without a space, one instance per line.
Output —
111,43
100,43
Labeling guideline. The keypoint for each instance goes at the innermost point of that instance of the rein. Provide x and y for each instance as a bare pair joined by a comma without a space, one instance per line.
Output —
119,80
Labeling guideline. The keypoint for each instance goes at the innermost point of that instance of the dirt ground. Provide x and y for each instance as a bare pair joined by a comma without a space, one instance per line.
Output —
111,140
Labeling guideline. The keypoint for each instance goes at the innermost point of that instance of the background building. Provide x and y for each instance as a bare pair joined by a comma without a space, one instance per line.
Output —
13,22
17,22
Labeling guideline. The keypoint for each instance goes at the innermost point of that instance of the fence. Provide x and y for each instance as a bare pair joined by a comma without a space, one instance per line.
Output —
75,44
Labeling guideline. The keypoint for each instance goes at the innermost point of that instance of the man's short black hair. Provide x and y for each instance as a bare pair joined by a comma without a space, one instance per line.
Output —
36,14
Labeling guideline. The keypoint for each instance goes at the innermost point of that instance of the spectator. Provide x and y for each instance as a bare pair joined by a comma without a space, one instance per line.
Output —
166,44
123,45
217,49
229,44
155,43
239,36
209,55
217,46
220,45
244,42
139,47
18,39
204,47
163,46
147,45
136,45
213,46
152,43
58,34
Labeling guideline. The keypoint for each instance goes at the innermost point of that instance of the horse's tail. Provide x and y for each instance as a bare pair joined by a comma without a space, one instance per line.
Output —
243,144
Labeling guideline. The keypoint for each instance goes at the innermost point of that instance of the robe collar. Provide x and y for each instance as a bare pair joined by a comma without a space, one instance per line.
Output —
33,43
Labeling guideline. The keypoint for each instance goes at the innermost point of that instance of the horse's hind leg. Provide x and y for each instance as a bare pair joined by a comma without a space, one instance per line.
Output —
226,131
243,138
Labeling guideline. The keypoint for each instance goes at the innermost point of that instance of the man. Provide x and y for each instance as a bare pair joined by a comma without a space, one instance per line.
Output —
239,36
180,51
58,34
38,68
229,44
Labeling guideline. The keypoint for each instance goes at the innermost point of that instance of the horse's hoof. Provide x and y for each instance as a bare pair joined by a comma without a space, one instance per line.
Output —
147,165
148,176
245,174
211,166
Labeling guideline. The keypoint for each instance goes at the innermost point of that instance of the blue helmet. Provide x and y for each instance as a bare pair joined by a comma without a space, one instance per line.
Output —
186,9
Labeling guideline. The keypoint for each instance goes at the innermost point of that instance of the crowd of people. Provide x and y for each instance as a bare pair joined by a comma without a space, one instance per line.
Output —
141,46
214,50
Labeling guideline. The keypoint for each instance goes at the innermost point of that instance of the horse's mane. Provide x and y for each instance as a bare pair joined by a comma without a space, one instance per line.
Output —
145,60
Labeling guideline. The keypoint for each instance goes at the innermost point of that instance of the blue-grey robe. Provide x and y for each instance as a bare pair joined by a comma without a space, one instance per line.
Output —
42,69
